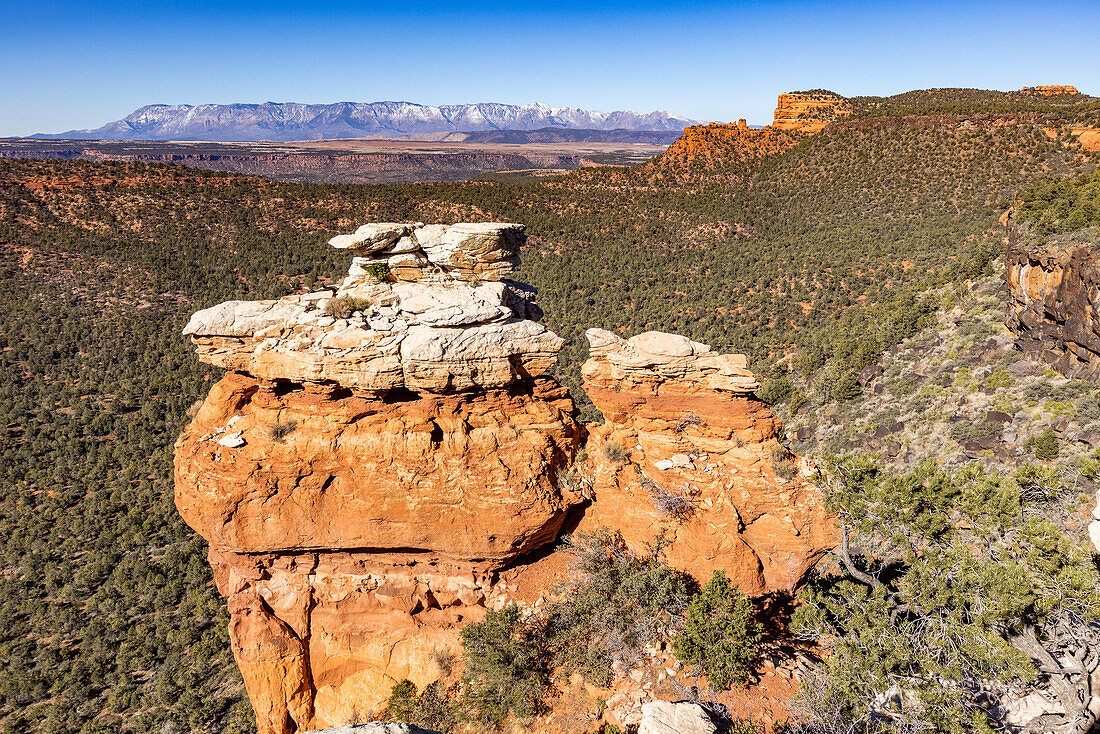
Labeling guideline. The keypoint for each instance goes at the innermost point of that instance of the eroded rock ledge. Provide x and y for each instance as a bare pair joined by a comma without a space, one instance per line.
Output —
704,463
1054,309
436,315
385,461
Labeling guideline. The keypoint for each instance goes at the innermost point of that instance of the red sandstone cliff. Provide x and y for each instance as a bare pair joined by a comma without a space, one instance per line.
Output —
378,464
719,149
1050,90
809,112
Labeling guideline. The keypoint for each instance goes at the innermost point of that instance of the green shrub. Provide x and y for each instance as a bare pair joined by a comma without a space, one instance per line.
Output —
1000,378
1039,483
617,603
775,390
798,399
846,387
380,272
506,667
1044,446
809,360
720,633
942,575
431,709
1090,465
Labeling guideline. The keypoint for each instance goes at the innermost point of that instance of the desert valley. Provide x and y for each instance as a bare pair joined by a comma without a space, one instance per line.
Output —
573,430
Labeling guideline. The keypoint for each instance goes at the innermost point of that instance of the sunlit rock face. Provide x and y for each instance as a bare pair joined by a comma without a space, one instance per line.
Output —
1054,304
703,463
385,461
809,112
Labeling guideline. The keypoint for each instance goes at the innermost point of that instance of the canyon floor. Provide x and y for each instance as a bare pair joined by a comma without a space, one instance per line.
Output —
444,157
871,244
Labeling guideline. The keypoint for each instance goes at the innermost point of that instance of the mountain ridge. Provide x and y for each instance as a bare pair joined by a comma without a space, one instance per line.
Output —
285,121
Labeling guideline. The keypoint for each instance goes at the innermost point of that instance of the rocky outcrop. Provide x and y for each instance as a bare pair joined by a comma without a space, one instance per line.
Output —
375,727
372,461
667,717
1054,304
1050,90
724,149
422,308
385,461
468,478
689,453
809,112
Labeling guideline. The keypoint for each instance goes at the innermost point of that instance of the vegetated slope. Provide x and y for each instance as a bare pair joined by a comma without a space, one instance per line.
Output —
728,153
970,447
826,244
1064,107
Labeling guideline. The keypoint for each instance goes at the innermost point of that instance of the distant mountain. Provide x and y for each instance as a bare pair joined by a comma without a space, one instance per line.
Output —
283,121
558,135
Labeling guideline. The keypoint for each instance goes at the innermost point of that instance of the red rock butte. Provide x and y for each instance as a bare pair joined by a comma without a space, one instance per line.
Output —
381,461
1050,90
809,112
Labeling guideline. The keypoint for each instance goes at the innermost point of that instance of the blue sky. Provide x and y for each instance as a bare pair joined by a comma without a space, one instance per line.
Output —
66,65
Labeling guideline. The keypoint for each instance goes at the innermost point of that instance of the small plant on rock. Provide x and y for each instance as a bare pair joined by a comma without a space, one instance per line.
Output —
280,431
614,452
344,306
687,419
678,504
380,272
782,463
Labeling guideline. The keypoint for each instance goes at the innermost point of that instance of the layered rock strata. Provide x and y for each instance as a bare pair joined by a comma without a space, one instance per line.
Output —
1054,304
1051,90
385,461
422,308
809,112
689,454
374,458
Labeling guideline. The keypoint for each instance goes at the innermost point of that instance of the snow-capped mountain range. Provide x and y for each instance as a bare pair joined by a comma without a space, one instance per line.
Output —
285,121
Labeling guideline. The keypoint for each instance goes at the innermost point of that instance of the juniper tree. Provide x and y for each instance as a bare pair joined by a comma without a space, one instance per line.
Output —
953,594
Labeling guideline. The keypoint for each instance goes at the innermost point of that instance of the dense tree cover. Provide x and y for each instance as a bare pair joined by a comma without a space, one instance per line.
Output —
955,594
108,618
950,101
1062,204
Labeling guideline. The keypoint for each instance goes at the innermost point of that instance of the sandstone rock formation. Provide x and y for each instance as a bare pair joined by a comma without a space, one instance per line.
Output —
439,318
385,461
704,467
720,148
1050,90
809,112
1054,305
372,460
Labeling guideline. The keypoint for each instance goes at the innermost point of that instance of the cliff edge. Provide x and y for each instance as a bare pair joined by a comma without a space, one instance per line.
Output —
385,461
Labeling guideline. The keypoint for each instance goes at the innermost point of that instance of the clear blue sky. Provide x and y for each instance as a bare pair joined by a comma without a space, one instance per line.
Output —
66,65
